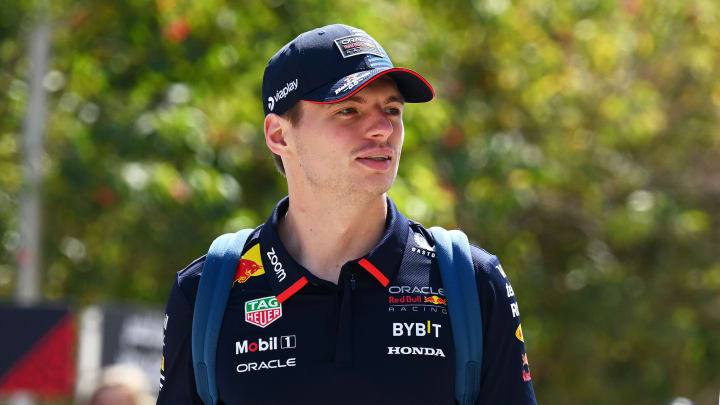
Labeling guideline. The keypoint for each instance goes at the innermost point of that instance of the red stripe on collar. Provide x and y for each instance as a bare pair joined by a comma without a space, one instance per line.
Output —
374,271
283,296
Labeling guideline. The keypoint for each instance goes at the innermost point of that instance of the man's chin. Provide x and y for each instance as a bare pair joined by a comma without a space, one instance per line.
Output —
377,186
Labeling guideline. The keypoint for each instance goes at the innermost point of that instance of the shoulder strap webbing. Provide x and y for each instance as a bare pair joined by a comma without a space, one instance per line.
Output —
458,277
210,302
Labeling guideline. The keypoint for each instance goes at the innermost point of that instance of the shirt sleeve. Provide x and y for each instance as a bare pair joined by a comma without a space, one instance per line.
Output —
505,369
177,379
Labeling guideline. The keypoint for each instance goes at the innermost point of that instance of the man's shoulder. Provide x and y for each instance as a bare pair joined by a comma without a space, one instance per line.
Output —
486,265
192,270
189,277
484,261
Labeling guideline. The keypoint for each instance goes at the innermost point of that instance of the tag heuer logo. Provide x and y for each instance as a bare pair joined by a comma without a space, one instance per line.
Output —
262,311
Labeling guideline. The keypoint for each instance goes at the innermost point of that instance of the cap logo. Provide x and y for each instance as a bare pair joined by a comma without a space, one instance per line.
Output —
352,81
357,44
282,93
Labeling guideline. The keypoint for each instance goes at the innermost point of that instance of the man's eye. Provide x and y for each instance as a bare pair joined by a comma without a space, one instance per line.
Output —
393,111
347,111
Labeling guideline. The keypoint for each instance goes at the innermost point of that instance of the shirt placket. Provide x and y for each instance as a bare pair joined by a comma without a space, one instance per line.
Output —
344,339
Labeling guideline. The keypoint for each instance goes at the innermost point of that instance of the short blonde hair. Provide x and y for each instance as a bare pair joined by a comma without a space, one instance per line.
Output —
126,377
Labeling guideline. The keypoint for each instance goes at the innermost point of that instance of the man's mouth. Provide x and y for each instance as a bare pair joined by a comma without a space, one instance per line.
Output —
377,160
377,157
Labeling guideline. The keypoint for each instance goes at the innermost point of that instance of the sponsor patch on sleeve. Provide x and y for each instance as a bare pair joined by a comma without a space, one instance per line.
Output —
525,368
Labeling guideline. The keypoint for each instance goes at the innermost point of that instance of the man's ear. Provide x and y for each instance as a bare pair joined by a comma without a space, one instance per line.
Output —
275,133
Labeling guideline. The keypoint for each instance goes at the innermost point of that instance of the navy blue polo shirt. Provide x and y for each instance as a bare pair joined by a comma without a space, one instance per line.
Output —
382,334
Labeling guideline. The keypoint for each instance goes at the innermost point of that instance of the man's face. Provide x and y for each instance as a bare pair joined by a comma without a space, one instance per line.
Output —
351,147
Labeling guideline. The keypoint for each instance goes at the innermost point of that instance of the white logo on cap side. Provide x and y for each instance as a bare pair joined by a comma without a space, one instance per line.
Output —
352,81
282,93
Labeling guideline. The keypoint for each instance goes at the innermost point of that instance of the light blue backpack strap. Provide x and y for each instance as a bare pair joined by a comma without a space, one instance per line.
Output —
458,277
210,302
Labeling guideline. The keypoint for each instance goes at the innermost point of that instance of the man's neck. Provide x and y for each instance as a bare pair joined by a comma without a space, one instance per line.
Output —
323,235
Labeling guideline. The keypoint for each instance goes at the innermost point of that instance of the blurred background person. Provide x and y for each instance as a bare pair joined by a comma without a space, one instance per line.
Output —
121,384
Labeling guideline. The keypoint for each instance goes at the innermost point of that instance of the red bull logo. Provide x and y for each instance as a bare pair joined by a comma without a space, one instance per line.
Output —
525,368
405,299
250,265
436,300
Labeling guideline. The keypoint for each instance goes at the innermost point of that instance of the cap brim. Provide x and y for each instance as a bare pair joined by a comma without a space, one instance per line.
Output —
414,87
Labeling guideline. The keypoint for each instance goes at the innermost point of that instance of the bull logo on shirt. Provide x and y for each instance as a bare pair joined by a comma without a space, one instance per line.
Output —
435,300
525,368
250,265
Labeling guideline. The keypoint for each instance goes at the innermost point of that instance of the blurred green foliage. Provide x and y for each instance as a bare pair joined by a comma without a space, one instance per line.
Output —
577,140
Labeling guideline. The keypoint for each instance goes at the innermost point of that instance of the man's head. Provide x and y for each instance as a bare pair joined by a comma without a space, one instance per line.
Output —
315,74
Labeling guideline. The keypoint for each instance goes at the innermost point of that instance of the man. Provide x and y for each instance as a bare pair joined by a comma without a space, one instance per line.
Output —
337,298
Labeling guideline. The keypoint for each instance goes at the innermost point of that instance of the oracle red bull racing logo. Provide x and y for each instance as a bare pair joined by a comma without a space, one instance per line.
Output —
403,298
263,311
250,265
358,43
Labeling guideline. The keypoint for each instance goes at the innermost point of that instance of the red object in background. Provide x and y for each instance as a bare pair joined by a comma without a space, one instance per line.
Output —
38,352
104,196
452,137
178,30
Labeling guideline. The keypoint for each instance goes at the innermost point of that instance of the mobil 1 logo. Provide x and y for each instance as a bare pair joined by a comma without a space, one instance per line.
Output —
262,345
271,343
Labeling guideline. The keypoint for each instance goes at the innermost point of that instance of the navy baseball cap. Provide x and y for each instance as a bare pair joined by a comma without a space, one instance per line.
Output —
331,63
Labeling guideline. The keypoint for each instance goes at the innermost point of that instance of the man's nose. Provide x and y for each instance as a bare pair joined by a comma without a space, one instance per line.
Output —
381,125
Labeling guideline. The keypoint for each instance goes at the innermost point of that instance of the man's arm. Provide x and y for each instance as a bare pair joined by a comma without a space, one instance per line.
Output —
177,379
505,369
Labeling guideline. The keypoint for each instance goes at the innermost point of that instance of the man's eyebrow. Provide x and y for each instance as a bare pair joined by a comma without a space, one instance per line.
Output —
360,100
356,99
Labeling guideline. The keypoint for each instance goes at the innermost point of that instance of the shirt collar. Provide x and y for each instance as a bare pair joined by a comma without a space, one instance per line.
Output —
286,276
